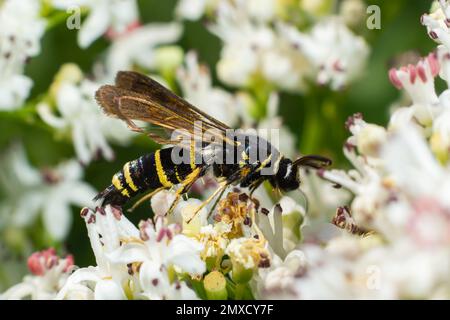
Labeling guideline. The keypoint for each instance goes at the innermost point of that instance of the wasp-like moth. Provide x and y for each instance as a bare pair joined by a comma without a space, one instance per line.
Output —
205,143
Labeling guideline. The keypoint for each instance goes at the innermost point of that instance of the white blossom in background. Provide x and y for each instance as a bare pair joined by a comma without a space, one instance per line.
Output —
49,192
133,263
19,41
394,242
81,117
402,199
196,84
260,10
286,139
379,230
49,273
418,82
429,111
436,22
104,16
192,9
250,49
138,47
338,55
323,198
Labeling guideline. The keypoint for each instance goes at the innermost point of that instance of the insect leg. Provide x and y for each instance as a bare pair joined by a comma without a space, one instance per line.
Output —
216,202
186,185
255,186
144,198
222,188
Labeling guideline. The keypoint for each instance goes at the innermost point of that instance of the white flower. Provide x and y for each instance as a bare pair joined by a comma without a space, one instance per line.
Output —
134,263
437,23
107,228
191,9
80,116
104,15
366,137
408,160
418,81
260,10
248,253
250,47
370,189
50,192
138,48
19,40
440,139
275,282
281,226
49,275
402,271
196,84
163,245
162,248
338,55
311,273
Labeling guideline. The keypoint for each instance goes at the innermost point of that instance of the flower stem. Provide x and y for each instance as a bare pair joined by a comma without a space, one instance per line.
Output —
239,291
215,286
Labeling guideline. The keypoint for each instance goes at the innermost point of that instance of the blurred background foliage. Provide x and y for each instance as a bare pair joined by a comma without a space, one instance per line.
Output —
317,119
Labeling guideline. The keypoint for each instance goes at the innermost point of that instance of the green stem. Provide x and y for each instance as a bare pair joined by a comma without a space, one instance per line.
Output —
313,128
239,291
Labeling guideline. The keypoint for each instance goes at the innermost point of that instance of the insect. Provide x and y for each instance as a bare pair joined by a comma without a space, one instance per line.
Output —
138,97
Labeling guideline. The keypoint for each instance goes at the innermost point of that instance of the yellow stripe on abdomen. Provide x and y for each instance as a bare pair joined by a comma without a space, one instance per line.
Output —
118,185
128,178
160,171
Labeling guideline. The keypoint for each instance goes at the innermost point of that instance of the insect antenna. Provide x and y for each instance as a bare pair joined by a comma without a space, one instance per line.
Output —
313,161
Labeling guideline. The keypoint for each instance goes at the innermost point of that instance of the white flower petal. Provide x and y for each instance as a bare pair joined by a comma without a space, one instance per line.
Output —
57,216
185,254
108,290
96,25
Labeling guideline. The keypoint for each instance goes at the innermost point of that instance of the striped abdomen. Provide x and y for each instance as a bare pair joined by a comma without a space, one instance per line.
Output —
148,172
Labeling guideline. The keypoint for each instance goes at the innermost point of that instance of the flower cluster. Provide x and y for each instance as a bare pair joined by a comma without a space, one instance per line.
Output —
148,262
49,192
380,229
263,43
71,109
49,273
395,233
19,41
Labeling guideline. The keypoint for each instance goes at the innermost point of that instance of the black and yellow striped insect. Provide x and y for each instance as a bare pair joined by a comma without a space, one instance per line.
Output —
205,143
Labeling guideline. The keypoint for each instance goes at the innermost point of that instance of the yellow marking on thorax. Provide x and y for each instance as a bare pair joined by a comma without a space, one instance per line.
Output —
245,172
192,155
264,163
244,158
244,155
128,178
160,171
